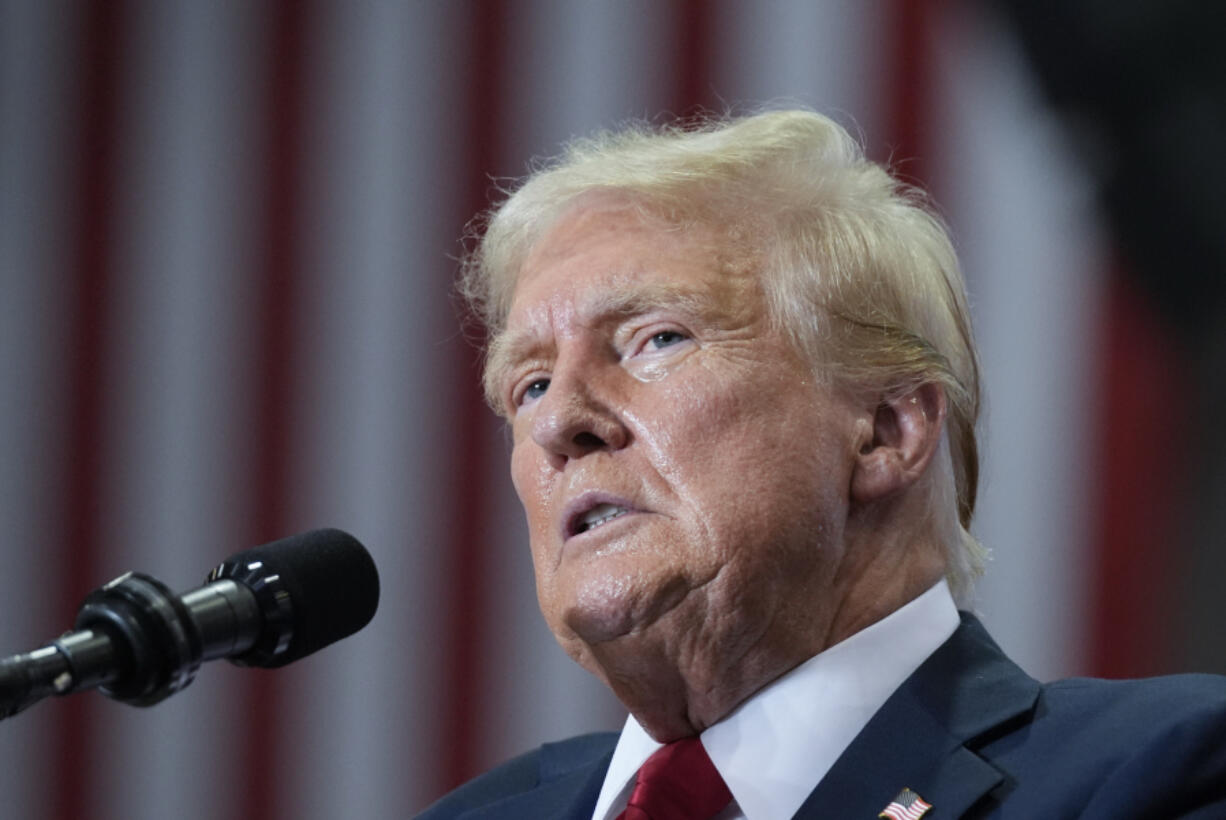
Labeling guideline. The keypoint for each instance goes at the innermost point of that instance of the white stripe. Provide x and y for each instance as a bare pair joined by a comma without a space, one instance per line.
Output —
824,55
575,67
36,90
376,442
176,387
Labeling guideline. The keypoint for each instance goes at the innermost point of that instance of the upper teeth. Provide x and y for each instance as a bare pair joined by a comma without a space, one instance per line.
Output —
600,514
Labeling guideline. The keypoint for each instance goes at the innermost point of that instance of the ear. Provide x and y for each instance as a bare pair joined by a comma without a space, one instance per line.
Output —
906,433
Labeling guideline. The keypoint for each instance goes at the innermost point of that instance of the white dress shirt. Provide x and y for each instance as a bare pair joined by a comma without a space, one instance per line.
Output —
775,748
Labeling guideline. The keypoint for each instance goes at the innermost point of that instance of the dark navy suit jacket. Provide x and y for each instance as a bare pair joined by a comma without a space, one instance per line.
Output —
970,733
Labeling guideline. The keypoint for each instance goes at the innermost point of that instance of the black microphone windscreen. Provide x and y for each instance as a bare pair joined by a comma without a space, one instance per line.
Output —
332,583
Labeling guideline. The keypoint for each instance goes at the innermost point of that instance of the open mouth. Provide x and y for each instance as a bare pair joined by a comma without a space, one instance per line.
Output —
597,516
600,514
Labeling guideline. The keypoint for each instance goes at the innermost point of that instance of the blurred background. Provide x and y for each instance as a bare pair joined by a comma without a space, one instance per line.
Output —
228,234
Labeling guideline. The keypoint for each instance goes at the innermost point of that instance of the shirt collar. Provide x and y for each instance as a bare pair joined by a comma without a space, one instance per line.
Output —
775,748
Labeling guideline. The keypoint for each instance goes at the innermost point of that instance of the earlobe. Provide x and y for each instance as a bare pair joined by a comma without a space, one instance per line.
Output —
906,433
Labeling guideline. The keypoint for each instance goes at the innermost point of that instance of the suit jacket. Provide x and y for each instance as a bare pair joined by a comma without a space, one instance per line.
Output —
972,734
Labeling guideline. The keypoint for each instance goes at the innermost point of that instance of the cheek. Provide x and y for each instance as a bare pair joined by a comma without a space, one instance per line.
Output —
532,487
714,421
528,479
756,457
534,484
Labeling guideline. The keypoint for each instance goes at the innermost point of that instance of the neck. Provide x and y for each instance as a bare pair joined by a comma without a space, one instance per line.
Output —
697,664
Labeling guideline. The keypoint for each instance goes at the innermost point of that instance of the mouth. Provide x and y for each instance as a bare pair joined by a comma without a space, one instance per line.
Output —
598,516
590,513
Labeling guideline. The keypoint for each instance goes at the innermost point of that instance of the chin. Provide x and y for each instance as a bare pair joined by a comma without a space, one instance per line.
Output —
602,611
613,606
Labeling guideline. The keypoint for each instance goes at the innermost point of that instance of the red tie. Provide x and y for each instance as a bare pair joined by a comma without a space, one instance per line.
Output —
678,782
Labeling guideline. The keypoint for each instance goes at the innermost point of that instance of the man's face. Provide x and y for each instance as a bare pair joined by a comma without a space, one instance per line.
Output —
684,475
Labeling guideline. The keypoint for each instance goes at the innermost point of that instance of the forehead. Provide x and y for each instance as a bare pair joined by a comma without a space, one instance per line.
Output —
612,257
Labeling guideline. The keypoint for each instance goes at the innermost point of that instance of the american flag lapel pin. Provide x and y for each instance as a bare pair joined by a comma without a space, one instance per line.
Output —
906,806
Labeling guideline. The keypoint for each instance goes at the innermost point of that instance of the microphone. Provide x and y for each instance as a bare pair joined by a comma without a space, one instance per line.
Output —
139,643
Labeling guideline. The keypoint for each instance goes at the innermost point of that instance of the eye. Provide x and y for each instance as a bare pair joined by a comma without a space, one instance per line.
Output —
534,390
666,338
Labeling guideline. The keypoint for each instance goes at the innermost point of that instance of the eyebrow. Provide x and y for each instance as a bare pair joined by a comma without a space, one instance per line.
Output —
640,299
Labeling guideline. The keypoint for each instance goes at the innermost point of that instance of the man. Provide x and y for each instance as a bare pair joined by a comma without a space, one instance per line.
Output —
738,369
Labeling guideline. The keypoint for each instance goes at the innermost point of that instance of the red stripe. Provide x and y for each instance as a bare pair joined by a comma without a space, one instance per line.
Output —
693,89
1141,370
910,94
91,275
275,354
467,616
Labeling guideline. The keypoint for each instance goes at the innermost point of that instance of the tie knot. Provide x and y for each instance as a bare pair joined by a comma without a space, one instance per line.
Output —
678,782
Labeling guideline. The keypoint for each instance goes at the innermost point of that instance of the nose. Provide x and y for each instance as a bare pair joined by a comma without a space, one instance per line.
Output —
572,419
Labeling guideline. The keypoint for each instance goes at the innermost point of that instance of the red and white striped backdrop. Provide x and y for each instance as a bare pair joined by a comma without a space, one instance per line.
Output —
227,233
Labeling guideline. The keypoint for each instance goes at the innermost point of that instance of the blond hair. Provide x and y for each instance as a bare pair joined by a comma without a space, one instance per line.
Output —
856,266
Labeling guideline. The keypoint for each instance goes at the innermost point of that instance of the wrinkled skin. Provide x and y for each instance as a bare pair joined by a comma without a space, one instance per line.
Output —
639,371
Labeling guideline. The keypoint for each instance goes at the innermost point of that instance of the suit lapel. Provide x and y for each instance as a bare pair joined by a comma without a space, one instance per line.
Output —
568,787
922,738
